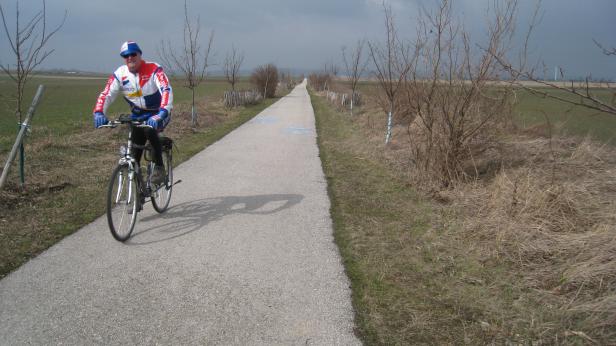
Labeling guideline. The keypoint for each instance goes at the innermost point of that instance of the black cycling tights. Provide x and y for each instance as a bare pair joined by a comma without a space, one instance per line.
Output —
139,136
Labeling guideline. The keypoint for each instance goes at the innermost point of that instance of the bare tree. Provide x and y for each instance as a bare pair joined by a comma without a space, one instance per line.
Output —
450,90
606,51
287,80
192,60
319,81
331,71
265,78
392,63
355,66
583,92
233,62
579,93
28,46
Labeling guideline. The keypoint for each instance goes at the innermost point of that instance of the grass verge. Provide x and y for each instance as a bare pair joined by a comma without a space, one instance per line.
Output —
67,177
436,270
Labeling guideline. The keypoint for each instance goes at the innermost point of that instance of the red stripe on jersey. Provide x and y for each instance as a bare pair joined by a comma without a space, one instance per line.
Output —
100,102
145,72
164,85
165,99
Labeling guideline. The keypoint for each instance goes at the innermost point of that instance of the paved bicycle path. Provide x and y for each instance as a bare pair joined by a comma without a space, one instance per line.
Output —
245,255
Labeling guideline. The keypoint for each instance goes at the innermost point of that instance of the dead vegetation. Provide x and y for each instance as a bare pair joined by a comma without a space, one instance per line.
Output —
533,210
552,218
539,203
265,78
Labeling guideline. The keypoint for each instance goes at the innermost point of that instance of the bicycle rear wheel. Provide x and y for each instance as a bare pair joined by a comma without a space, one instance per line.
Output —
162,194
122,203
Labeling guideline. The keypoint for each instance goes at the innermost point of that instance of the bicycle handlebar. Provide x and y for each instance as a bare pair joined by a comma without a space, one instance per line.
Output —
124,119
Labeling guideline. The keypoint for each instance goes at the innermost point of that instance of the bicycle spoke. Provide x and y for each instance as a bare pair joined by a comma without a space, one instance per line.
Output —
122,203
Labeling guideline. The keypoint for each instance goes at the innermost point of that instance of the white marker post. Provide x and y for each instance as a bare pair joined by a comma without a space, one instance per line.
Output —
388,136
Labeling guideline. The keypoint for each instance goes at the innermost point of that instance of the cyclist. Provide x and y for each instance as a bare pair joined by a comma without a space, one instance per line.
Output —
147,90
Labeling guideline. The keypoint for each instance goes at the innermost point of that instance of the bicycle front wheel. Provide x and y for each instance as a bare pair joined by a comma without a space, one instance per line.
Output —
162,194
122,202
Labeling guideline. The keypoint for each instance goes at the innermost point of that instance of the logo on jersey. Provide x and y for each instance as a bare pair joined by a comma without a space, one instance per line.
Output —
137,93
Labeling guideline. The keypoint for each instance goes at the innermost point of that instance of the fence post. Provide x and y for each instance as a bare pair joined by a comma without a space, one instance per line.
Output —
21,134
352,98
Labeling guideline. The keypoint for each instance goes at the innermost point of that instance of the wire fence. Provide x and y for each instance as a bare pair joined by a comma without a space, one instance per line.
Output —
343,100
241,98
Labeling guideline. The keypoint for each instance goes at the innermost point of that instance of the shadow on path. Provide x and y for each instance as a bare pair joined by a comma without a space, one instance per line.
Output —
188,217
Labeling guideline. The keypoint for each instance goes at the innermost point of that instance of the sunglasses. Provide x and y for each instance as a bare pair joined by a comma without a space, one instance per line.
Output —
126,56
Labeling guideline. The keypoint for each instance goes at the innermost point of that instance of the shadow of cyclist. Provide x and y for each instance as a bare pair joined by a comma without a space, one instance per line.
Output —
188,217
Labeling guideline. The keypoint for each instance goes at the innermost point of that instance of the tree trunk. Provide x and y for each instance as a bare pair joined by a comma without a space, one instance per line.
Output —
265,91
192,114
389,123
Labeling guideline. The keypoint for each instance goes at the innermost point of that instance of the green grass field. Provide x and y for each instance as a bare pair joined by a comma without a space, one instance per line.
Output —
532,110
68,102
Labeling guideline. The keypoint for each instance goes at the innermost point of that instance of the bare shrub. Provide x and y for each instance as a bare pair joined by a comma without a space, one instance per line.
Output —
319,81
232,65
265,78
458,107
287,81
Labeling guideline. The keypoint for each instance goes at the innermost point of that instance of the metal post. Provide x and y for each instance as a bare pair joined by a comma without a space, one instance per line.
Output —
20,136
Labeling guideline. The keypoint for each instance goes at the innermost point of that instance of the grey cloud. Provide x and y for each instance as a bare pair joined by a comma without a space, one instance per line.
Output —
305,34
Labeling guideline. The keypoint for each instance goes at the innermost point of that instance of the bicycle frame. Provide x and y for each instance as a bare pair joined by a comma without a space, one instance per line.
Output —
129,168
126,158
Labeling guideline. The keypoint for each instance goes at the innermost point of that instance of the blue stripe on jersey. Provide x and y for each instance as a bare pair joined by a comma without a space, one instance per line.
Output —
152,101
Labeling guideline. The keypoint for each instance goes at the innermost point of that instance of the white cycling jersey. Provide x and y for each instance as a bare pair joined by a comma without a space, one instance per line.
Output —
147,91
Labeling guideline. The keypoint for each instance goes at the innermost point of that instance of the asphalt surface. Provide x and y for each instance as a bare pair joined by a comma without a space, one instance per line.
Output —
244,256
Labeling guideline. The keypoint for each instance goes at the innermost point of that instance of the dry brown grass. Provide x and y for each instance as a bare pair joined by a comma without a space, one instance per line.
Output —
553,218
540,205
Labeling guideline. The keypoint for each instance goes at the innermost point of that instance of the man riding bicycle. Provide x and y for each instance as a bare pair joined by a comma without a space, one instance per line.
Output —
147,90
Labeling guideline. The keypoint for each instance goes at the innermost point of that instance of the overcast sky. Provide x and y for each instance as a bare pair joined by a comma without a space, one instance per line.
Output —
302,34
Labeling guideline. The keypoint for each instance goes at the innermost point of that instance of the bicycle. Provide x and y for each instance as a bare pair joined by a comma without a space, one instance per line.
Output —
128,190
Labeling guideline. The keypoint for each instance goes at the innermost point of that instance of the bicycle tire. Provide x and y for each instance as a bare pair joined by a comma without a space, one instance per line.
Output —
162,195
122,202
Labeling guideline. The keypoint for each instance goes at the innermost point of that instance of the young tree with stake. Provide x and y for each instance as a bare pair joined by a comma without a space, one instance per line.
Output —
355,66
192,60
392,65
231,68
27,43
